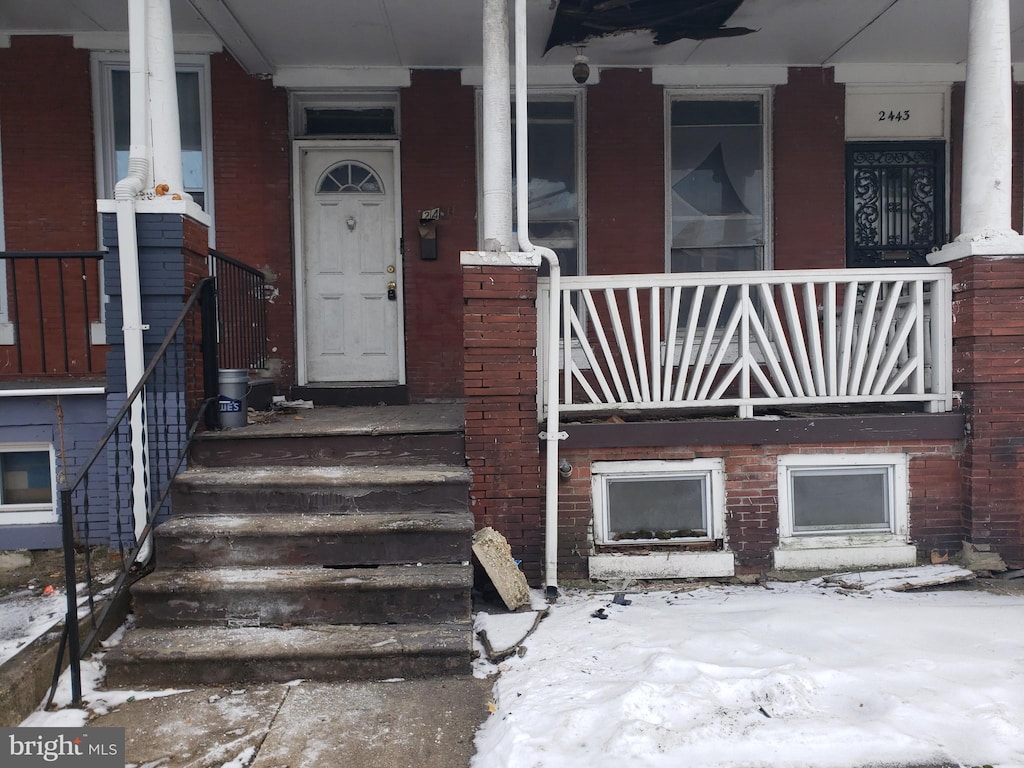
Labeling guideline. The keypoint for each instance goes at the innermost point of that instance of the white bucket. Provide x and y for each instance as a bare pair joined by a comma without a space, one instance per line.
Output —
231,406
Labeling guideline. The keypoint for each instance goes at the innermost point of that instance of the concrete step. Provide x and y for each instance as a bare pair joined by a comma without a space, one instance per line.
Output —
334,540
335,490
411,435
180,657
386,594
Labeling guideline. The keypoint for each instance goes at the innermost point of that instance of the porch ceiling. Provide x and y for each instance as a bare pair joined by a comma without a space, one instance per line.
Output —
268,35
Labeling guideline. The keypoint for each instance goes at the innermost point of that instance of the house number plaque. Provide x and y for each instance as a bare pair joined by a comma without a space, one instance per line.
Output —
892,115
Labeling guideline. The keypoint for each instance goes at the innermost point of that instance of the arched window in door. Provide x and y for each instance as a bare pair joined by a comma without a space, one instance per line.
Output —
349,176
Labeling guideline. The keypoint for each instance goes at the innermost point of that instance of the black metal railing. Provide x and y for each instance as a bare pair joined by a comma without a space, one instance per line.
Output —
172,399
242,322
50,301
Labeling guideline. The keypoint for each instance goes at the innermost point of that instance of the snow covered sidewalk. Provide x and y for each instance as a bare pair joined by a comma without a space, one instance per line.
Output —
801,675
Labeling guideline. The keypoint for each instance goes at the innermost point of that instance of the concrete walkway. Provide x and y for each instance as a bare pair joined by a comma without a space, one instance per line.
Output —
426,723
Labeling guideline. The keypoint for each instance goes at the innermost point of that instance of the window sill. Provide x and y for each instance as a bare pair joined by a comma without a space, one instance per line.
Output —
822,553
669,565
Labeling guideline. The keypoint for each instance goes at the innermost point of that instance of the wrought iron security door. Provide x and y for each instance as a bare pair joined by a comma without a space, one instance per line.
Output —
895,202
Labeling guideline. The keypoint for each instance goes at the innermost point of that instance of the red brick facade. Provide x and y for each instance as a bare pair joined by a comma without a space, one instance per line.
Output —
808,166
252,194
988,341
500,370
438,171
625,141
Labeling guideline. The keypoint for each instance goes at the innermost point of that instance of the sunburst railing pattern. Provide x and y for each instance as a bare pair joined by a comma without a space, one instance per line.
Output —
753,340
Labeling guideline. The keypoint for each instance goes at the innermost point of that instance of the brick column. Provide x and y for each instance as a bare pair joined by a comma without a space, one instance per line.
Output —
988,367
500,370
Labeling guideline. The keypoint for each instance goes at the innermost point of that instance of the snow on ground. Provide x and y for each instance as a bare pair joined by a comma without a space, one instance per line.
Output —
794,676
26,616
95,700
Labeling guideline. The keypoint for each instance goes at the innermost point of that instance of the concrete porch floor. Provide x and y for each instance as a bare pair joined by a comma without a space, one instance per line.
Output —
351,420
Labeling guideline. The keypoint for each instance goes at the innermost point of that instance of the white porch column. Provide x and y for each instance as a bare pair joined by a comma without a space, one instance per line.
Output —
985,192
164,98
497,129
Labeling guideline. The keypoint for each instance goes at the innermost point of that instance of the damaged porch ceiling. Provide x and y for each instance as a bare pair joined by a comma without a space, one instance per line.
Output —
269,35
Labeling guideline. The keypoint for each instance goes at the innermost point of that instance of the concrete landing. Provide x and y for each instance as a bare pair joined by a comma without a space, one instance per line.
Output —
404,724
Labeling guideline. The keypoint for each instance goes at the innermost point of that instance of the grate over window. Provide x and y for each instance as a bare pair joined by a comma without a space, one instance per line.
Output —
895,202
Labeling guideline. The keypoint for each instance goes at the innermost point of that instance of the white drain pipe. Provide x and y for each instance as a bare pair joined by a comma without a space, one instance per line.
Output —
126,192
551,435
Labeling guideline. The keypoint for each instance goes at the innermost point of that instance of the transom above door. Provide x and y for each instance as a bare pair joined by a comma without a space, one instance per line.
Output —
348,264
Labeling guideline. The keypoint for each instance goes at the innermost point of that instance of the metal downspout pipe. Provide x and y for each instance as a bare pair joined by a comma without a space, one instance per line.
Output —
126,192
551,435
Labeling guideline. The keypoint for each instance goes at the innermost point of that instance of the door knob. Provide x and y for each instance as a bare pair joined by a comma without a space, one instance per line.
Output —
392,291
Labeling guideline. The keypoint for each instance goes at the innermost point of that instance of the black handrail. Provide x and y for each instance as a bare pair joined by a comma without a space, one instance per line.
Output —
52,329
168,453
242,323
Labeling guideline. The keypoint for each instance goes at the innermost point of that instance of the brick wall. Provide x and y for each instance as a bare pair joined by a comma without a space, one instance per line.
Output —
49,192
438,171
500,371
625,174
751,487
809,168
988,338
46,133
252,189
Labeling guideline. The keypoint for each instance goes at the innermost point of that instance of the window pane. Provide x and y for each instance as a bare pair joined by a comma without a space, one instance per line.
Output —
657,508
321,122
189,120
26,478
717,186
553,198
841,500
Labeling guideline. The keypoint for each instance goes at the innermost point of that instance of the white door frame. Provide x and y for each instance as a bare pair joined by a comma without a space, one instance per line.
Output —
298,145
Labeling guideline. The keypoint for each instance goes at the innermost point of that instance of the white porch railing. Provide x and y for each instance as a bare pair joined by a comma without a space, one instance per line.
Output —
752,340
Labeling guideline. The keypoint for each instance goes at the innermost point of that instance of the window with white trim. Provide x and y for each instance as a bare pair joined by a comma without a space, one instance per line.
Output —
717,182
27,490
658,502
859,496
194,110
555,193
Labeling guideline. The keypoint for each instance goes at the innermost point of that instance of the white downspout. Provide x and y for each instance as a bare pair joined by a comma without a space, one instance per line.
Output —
551,435
497,128
126,192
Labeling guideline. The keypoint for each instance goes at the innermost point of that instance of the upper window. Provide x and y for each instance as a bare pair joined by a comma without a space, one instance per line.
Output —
113,141
26,485
345,114
895,202
556,179
648,502
717,184
824,495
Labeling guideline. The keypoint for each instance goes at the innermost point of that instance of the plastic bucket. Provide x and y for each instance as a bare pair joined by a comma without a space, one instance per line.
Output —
234,386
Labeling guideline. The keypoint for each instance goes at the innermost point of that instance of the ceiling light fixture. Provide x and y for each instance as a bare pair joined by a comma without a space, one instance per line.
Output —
580,67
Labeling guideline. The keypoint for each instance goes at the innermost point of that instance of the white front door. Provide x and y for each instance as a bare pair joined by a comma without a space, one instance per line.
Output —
350,266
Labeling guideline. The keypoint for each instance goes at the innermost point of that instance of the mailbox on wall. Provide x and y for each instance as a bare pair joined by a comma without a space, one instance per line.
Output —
428,233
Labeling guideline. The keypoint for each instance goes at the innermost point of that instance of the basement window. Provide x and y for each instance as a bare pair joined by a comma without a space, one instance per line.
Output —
658,502
26,485
839,511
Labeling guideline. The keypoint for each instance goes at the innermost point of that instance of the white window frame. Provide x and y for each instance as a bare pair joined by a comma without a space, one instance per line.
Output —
578,97
764,96
106,164
31,514
713,470
6,326
896,465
